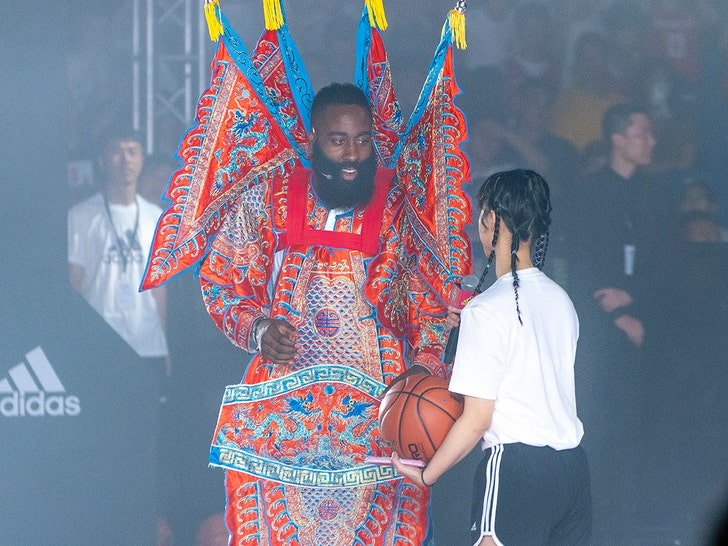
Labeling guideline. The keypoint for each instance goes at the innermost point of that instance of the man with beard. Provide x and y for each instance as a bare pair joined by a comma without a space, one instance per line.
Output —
309,271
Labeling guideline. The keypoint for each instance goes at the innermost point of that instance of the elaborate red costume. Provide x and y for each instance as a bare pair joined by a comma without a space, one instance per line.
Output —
366,293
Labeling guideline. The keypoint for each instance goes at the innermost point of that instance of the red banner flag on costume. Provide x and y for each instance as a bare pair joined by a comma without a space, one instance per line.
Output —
235,143
433,168
277,61
373,76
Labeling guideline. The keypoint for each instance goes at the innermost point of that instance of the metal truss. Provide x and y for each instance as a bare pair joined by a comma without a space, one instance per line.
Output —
170,64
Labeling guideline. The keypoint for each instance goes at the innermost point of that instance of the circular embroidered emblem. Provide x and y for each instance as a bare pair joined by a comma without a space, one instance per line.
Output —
327,322
328,509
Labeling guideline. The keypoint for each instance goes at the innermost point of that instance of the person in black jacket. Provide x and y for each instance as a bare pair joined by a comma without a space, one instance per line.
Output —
620,229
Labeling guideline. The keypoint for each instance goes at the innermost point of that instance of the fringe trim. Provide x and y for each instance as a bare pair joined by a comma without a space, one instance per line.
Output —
273,14
214,26
377,17
456,20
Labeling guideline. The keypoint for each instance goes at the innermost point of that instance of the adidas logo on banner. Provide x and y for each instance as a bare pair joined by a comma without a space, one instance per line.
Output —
35,390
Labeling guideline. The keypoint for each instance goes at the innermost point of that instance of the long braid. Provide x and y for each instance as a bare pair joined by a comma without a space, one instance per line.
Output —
539,254
515,242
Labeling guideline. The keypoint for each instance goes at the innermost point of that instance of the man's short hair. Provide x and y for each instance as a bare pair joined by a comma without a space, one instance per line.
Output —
118,134
617,119
338,93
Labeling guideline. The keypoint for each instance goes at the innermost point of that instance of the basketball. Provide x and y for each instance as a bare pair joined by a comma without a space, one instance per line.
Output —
416,414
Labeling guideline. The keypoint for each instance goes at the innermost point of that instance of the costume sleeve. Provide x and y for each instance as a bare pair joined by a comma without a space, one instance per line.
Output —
426,327
407,305
235,274
426,311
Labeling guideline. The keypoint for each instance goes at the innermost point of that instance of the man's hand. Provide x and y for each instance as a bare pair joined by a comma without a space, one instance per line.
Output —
278,343
612,298
632,327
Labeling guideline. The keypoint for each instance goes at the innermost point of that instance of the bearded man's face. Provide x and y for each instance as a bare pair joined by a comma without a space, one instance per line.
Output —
343,158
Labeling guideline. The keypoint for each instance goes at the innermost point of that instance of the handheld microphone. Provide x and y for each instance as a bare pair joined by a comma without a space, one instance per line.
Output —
467,289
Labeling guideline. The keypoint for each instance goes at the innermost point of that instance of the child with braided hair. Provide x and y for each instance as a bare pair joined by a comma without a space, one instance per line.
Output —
514,366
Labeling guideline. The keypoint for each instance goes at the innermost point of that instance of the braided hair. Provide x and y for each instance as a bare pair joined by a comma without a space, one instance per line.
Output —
520,198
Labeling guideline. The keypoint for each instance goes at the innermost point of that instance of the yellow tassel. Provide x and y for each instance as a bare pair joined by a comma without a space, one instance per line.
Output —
273,14
214,26
456,18
377,18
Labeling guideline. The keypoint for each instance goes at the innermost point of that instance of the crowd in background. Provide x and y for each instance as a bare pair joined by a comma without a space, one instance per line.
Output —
531,67
553,69
537,78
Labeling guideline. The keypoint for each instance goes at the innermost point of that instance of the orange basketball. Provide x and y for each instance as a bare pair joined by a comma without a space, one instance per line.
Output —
417,413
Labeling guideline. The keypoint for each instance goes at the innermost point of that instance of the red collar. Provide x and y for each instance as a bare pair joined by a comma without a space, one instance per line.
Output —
299,233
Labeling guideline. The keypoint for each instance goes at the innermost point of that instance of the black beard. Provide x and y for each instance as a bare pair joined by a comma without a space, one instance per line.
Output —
336,192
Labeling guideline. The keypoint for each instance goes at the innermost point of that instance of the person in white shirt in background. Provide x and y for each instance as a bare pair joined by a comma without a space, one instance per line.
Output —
109,237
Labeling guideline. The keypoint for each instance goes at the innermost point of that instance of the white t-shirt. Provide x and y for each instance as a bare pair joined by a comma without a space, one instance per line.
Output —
528,370
111,287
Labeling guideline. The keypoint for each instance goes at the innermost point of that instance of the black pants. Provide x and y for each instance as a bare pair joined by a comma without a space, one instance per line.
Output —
530,496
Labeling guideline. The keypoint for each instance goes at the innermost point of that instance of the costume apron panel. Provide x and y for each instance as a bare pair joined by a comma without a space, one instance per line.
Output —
312,428
301,467
388,514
